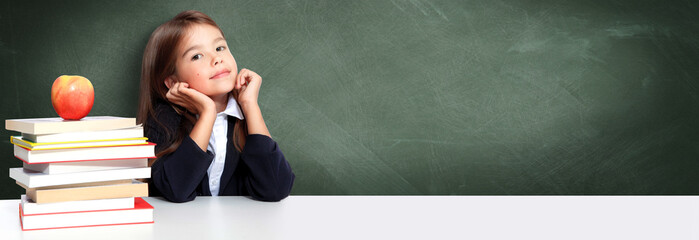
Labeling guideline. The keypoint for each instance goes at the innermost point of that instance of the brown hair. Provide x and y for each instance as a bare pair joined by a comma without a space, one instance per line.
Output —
159,63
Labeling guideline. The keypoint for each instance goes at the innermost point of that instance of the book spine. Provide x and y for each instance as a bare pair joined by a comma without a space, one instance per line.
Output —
35,180
88,193
87,153
140,214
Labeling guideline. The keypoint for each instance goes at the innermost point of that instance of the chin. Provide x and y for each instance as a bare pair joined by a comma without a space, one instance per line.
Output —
221,93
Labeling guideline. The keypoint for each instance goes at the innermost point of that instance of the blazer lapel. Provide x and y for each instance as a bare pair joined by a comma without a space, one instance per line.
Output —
232,157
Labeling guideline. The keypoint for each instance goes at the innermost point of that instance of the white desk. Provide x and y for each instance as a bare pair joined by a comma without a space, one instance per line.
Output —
397,217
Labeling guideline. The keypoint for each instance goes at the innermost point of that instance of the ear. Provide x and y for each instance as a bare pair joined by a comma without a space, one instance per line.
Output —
169,81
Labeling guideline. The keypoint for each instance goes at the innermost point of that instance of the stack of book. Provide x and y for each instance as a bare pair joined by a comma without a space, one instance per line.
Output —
81,173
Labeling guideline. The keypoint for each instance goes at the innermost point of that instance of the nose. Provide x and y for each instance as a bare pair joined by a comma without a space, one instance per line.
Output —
217,60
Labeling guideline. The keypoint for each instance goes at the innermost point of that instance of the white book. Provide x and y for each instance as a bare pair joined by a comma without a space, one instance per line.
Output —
85,154
86,166
59,125
33,179
142,212
29,207
134,132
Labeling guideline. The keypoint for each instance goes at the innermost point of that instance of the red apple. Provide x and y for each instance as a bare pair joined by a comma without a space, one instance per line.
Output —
72,97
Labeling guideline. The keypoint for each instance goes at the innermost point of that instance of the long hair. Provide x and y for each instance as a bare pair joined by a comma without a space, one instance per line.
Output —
159,63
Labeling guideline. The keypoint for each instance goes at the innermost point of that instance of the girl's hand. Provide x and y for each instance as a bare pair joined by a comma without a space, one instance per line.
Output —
247,87
193,100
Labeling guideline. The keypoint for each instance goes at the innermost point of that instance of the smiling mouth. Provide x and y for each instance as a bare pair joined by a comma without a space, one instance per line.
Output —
221,74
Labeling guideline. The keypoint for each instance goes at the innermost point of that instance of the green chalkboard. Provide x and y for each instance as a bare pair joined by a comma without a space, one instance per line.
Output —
411,96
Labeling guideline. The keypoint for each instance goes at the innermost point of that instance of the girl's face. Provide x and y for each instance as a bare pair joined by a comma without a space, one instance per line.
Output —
205,62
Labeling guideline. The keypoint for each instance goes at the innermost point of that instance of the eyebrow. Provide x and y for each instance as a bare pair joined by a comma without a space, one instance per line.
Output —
199,46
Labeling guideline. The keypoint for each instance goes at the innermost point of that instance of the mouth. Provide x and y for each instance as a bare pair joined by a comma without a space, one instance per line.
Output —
220,74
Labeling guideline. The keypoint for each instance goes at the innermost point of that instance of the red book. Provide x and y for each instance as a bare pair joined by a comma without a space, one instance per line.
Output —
140,214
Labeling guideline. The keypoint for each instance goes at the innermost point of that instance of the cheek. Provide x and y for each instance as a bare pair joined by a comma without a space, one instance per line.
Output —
231,60
191,74
186,72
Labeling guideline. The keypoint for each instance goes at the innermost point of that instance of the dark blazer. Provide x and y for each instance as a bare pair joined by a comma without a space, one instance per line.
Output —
259,171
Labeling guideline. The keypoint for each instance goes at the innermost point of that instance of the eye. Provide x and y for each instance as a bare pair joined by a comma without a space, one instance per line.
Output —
197,57
221,48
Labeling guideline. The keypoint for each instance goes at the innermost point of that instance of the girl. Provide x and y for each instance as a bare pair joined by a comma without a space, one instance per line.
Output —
204,117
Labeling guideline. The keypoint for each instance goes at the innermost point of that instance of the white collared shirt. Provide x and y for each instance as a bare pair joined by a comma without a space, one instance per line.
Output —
218,142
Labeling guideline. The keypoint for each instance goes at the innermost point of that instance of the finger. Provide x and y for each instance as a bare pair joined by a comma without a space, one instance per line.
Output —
175,99
188,93
183,90
235,82
181,100
244,74
251,77
174,92
169,95
255,77
181,87
179,92
173,89
237,79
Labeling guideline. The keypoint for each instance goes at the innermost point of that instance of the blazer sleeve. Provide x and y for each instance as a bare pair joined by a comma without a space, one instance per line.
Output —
270,177
178,174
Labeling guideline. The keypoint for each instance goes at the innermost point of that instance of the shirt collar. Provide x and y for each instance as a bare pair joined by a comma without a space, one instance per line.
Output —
232,109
